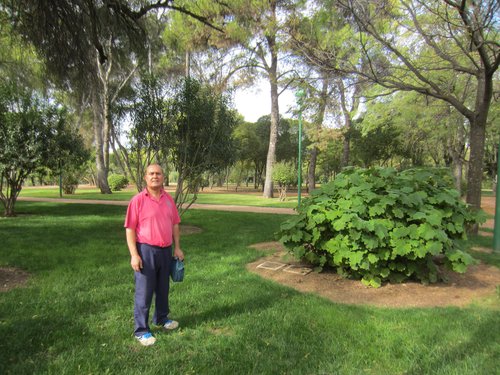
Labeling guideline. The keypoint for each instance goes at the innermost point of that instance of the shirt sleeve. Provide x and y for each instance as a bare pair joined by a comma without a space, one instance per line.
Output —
176,219
131,218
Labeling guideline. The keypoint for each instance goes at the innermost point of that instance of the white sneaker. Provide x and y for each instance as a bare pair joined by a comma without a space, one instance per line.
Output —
146,339
170,325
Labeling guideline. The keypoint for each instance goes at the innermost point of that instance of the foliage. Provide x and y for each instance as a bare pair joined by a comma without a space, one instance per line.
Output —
71,36
252,143
284,174
150,135
380,225
201,124
376,145
117,182
401,49
33,134
69,183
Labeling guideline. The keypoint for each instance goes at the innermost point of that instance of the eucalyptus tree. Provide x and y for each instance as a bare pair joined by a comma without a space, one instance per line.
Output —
433,47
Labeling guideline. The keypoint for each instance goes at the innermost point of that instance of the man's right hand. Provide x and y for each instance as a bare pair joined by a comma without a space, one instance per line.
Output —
136,263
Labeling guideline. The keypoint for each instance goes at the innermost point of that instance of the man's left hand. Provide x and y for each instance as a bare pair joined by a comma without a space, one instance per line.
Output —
179,254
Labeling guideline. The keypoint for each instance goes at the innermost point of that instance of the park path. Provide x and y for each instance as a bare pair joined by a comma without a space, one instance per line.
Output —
196,206
488,205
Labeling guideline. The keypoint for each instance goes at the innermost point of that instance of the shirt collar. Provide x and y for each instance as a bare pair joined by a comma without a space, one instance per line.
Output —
146,192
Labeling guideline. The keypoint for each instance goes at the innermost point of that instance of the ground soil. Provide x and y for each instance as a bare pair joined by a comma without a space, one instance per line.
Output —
479,283
11,277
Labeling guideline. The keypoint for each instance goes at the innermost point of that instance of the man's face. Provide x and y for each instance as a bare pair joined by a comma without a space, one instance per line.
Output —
154,177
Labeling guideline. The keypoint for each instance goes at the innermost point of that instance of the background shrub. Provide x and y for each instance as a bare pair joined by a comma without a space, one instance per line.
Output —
117,182
285,175
380,225
69,183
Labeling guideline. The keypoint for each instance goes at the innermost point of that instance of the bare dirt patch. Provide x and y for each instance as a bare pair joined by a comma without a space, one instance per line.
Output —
12,278
479,282
189,229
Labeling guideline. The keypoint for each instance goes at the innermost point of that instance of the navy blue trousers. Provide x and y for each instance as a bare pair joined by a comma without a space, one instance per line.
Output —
152,279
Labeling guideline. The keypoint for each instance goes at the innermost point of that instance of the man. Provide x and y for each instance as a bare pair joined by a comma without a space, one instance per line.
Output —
152,224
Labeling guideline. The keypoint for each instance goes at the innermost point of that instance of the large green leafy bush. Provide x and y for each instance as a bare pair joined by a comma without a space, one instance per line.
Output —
382,225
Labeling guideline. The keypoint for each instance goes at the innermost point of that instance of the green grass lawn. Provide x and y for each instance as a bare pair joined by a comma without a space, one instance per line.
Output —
241,199
75,314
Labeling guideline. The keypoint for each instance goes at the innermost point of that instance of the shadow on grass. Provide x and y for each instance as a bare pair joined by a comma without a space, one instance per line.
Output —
455,356
29,343
24,209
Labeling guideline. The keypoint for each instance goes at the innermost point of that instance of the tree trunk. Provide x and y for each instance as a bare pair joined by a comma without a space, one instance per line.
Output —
475,172
101,171
10,202
106,130
347,125
273,136
311,173
456,148
477,139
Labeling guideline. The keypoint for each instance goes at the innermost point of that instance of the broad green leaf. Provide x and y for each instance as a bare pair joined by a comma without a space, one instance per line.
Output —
333,215
376,210
459,267
400,232
374,282
355,258
341,222
413,231
397,212
290,223
426,231
418,216
370,241
344,204
450,227
316,234
318,218
373,258
434,218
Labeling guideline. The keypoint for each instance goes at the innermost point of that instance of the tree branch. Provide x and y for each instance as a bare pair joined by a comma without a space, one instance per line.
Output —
169,4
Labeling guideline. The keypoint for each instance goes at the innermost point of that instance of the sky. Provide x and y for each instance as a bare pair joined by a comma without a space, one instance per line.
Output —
255,102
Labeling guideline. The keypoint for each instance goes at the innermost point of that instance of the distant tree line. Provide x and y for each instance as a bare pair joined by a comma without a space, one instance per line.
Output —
403,83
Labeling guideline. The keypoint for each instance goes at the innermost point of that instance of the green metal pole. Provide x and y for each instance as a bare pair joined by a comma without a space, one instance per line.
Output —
60,180
299,168
496,231
300,96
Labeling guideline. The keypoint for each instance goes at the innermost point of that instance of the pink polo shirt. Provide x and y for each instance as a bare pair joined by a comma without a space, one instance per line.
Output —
152,220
